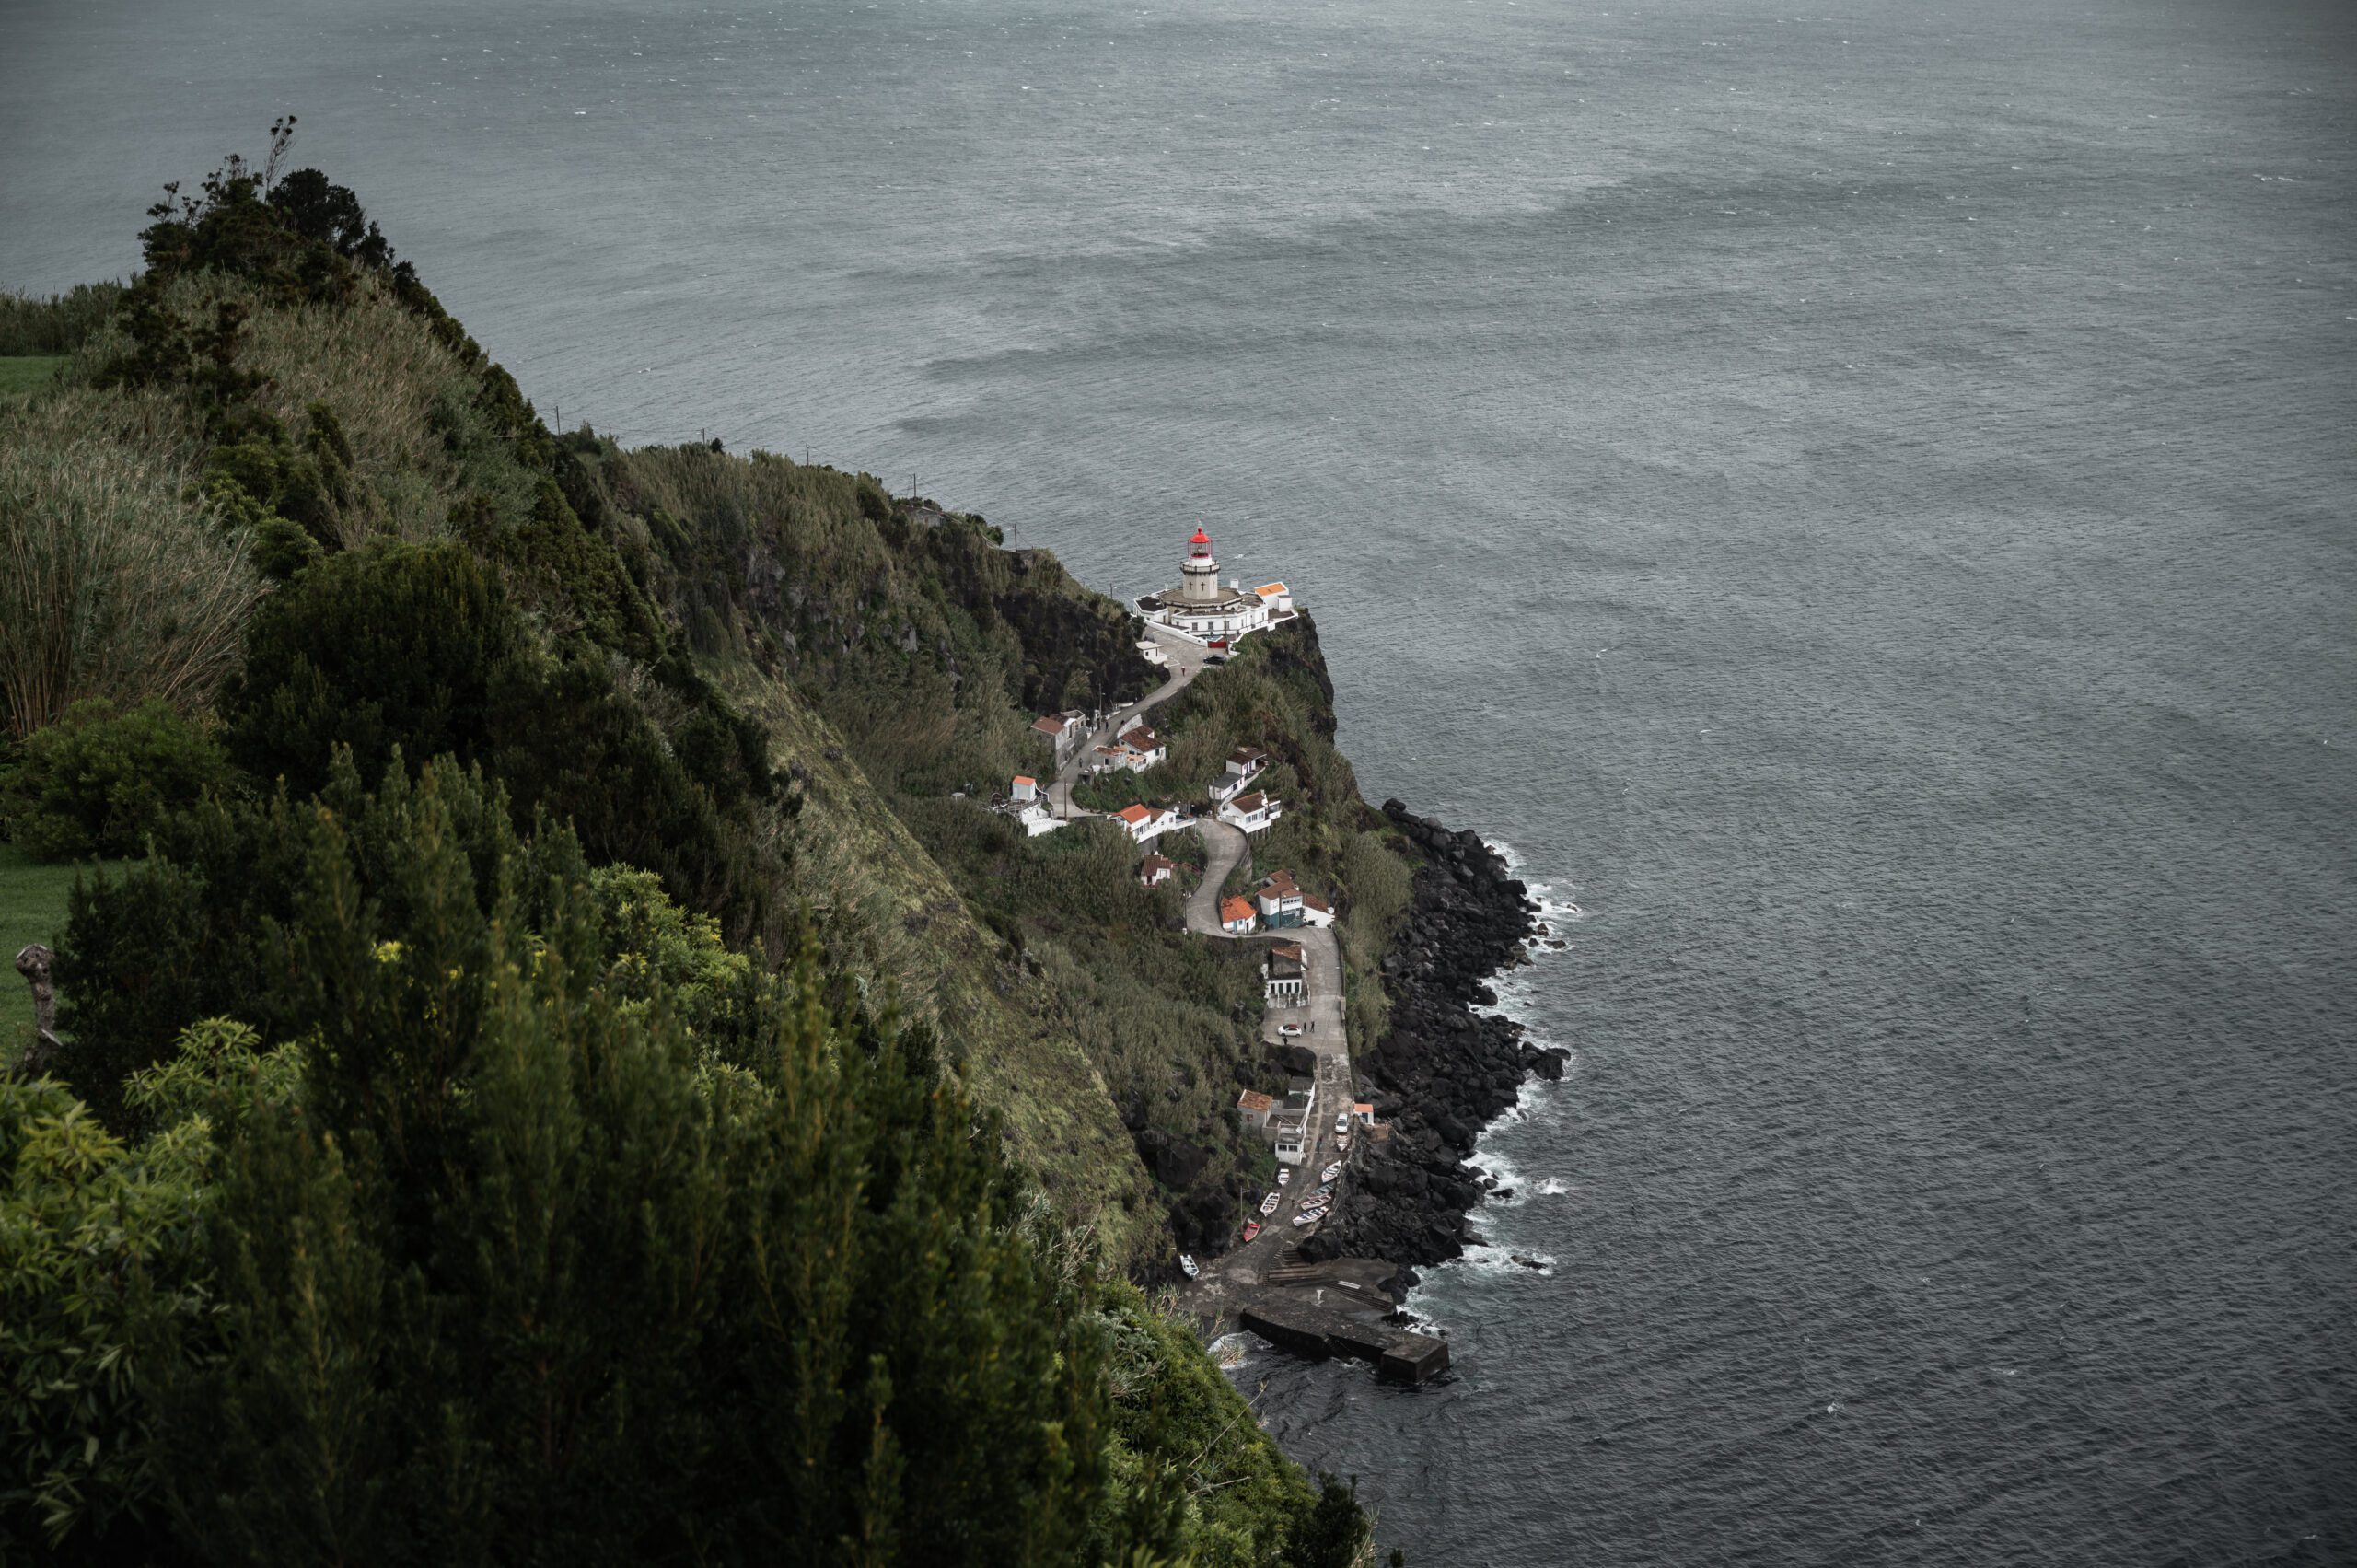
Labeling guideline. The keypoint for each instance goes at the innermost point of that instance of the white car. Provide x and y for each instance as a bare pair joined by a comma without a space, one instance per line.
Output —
1289,1030
1342,1125
1187,1265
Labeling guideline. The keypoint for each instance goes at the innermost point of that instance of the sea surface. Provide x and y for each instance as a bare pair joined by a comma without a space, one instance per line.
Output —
1858,498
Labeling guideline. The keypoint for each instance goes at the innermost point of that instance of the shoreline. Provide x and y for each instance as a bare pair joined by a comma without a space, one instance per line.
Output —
1446,1069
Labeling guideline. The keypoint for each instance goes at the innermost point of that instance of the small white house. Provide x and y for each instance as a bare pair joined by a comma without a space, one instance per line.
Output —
1063,731
1154,870
1027,803
1292,1123
1236,916
1252,812
1275,598
1244,764
1280,901
1147,747
1146,823
1316,912
1253,1106
1284,977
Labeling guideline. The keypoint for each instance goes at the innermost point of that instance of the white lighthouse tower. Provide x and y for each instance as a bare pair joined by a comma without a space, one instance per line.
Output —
1199,573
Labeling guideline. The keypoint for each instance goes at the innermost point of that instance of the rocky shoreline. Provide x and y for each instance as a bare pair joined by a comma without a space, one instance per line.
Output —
1440,1072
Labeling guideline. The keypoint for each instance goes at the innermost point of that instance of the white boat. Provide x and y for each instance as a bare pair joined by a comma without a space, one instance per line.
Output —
1269,1204
1330,1172
1308,1219
1284,1174
1187,1265
1321,1195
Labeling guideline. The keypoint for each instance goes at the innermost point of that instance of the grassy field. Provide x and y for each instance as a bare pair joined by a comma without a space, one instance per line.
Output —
32,909
22,373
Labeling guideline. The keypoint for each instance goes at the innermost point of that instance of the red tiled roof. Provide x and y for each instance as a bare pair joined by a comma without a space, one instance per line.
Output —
1253,1099
1025,778
1133,815
1049,726
1286,951
1249,803
1235,908
1281,883
1320,905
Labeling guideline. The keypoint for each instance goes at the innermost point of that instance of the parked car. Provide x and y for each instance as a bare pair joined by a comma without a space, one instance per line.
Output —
1342,1125
1289,1030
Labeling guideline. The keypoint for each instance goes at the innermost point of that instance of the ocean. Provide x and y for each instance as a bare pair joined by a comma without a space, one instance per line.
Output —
1858,499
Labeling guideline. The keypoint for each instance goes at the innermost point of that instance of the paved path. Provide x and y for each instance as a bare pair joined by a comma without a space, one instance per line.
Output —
1188,659
1320,1018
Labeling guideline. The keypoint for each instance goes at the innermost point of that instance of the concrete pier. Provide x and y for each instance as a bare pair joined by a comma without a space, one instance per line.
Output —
1320,1331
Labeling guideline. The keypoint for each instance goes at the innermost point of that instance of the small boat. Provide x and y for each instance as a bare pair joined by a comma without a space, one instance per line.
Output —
1251,1229
1308,1219
1269,1204
1284,1174
1330,1172
1321,1195
1188,1266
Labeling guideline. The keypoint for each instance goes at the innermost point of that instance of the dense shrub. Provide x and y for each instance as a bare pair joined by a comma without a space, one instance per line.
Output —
91,1231
516,1271
413,646
57,324
99,780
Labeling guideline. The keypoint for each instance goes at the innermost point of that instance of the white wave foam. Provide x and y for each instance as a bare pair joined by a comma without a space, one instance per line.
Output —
1552,1188
1489,1258
1230,1350
1506,852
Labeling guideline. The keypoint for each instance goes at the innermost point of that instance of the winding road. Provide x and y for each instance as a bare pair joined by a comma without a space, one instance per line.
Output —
1320,1016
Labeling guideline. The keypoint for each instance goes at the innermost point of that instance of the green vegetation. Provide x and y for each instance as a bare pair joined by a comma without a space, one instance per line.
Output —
572,1082
56,325
98,782
22,373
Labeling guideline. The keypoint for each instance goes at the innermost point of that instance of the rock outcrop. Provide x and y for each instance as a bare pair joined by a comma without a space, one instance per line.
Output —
1442,1071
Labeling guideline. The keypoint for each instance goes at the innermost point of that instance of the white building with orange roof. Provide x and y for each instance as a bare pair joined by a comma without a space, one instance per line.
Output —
1146,823
1236,916
1027,805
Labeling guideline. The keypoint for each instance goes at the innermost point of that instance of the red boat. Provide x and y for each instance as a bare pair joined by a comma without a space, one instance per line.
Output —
1251,1229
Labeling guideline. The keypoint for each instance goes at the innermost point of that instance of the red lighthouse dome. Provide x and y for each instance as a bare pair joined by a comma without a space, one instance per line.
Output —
1201,543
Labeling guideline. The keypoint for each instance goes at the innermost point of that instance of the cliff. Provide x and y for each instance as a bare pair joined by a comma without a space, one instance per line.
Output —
585,915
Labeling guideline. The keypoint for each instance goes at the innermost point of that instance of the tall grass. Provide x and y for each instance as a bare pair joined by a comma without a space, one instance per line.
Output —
114,580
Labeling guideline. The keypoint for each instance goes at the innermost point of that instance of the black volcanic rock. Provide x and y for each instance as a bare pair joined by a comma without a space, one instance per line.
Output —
1440,1072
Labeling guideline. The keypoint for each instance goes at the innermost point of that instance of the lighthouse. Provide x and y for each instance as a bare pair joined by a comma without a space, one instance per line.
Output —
1199,573
1208,610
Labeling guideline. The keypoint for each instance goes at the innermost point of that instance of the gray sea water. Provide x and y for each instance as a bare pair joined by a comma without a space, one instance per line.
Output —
1858,496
